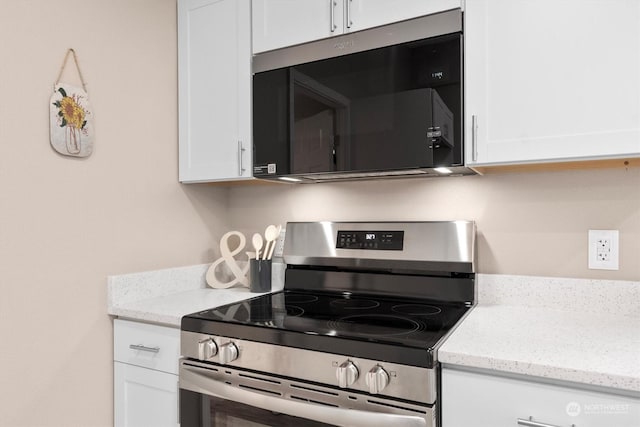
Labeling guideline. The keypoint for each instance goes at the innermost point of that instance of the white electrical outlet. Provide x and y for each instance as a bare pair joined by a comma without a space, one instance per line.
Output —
603,249
279,248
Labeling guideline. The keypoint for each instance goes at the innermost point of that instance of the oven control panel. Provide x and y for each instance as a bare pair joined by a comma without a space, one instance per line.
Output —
379,378
373,240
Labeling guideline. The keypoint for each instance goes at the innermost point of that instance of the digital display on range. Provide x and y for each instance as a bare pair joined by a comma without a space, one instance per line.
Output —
373,240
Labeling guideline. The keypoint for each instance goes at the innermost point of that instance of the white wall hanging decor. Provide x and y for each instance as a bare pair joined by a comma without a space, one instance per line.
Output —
71,118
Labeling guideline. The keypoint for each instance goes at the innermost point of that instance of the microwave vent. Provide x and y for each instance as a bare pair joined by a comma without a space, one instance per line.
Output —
356,176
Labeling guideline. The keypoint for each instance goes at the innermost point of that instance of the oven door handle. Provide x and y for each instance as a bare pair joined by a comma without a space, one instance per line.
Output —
197,380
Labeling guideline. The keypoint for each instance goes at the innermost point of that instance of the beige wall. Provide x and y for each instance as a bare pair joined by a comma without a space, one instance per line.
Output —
65,224
528,223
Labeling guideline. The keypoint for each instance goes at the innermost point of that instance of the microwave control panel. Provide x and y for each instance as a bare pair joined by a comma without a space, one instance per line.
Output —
371,240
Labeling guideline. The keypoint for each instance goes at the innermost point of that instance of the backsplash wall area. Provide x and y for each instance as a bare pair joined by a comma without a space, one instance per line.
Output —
533,223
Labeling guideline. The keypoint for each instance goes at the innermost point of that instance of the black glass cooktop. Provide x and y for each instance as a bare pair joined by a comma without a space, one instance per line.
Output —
398,330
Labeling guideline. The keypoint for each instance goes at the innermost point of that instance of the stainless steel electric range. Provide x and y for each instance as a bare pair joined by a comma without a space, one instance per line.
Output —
352,340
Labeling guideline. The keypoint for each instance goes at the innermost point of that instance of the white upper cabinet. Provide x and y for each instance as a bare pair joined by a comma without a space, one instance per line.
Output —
362,14
550,80
280,23
214,68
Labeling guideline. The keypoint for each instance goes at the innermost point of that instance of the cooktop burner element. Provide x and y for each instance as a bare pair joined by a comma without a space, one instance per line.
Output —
416,309
354,304
301,299
293,310
375,325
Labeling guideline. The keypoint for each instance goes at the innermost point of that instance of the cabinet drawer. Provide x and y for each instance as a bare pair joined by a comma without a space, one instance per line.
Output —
480,400
149,346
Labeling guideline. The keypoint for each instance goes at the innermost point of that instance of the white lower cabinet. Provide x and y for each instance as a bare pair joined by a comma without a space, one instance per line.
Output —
145,374
144,397
481,400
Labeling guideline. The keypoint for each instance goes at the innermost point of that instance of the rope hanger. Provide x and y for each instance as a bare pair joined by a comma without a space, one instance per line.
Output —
64,64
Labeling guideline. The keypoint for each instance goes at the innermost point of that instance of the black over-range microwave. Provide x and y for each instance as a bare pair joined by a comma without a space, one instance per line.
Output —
387,101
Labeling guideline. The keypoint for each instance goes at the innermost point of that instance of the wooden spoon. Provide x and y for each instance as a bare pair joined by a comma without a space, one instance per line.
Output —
273,246
257,244
270,235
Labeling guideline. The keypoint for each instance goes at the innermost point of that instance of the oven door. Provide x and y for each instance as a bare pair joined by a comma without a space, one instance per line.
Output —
216,396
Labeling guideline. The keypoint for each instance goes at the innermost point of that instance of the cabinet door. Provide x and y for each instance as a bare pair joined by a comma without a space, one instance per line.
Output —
361,14
479,400
280,23
144,397
214,67
550,80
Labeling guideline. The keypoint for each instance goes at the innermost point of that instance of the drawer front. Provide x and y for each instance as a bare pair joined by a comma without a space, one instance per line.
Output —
479,400
145,345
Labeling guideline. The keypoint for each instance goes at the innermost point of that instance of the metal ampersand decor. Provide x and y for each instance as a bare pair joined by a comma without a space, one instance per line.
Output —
71,118
239,273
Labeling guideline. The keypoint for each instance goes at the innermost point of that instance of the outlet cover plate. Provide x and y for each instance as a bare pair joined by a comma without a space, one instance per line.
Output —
279,248
603,249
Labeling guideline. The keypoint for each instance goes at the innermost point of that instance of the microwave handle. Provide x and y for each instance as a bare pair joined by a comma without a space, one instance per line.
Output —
197,380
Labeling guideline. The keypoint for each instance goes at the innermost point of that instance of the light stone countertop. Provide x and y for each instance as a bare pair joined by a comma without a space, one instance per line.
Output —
577,330
574,330
170,309
164,296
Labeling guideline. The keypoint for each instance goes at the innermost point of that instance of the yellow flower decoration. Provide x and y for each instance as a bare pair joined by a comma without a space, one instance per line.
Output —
71,113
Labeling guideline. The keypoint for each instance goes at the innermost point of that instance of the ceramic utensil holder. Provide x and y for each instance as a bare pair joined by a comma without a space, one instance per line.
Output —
260,275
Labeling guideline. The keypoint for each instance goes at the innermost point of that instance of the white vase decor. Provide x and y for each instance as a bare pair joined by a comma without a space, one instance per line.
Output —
71,121
70,116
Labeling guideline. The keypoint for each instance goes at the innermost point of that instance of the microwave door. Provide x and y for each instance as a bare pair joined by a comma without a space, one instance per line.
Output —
390,131
320,118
